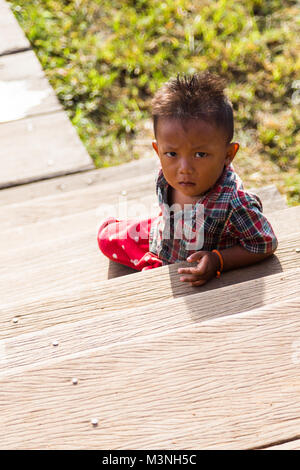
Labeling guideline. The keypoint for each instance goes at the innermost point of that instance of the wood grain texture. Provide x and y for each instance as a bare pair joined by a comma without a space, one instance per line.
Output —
12,38
100,198
66,183
45,299
285,221
22,245
227,383
290,445
76,262
270,196
80,200
46,146
25,88
102,326
22,236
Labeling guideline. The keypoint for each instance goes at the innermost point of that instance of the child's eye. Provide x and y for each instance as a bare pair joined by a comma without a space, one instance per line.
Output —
171,154
201,154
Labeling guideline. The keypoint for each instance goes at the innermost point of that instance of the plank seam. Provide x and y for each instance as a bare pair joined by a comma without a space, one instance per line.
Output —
168,300
19,369
271,444
28,116
42,178
16,51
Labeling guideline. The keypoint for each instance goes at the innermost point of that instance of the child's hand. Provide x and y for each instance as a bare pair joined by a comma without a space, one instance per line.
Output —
208,264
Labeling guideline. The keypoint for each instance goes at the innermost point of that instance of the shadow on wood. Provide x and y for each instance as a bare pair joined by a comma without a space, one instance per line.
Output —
255,273
117,270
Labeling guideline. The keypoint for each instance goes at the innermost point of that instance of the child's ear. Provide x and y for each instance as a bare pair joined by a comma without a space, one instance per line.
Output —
231,152
154,145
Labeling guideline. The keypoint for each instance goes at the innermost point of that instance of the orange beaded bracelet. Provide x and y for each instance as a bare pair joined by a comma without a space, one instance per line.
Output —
221,263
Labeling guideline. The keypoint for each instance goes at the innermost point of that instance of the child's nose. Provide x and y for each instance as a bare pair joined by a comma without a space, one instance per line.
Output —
185,165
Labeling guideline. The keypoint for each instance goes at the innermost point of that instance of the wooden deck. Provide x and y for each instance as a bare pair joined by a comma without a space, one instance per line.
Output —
160,364
47,144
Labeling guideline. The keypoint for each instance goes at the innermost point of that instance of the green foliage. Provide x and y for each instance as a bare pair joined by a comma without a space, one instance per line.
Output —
105,59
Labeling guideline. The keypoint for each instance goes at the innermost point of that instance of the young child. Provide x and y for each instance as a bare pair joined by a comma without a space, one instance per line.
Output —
193,128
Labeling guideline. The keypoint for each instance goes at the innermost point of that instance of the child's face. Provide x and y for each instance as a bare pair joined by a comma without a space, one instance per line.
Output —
192,151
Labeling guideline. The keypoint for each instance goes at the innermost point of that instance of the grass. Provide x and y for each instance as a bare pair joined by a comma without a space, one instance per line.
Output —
105,59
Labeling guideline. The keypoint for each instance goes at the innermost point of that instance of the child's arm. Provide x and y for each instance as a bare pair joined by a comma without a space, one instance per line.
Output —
255,242
209,263
237,257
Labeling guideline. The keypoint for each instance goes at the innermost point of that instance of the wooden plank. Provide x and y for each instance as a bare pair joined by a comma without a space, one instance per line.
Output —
25,218
45,297
82,249
108,326
87,198
270,196
66,183
77,258
46,146
290,445
21,237
226,383
12,38
24,89
75,262
97,197
285,221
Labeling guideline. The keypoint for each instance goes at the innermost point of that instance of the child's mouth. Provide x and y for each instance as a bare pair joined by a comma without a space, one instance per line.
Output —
186,183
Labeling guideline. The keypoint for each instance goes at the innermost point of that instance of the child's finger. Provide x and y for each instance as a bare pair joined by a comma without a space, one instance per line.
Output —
202,265
200,282
189,278
195,274
188,270
198,270
196,256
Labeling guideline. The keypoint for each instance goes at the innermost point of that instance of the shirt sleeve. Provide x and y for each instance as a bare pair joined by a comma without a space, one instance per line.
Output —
248,224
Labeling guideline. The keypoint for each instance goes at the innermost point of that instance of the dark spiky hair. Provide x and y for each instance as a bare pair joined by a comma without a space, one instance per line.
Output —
198,96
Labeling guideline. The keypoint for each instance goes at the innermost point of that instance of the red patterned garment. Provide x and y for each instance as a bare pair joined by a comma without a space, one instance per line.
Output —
228,216
127,242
